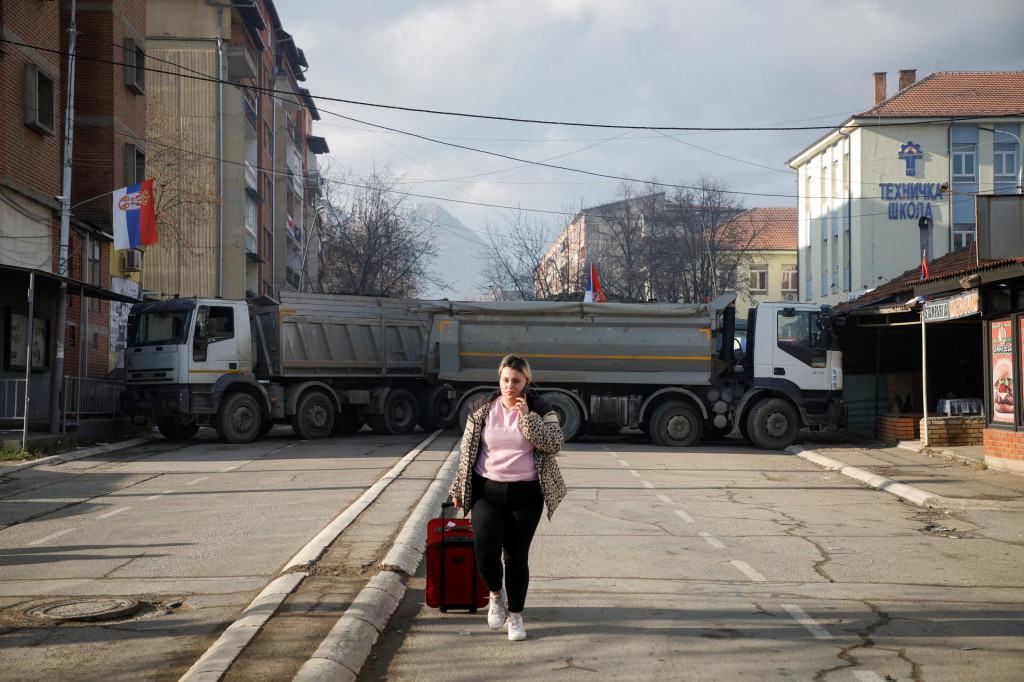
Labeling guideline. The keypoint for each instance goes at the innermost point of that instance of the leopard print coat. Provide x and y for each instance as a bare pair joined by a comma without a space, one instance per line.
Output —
544,434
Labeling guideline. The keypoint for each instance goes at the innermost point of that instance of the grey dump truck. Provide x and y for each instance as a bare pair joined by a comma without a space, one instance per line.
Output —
330,363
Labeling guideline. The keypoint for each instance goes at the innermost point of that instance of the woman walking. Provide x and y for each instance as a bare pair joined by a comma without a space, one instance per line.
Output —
507,473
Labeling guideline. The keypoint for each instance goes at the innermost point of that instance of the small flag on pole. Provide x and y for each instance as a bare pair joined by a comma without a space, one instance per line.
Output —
593,293
134,216
924,265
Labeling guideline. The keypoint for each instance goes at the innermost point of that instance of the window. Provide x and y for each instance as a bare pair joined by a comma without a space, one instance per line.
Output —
134,67
95,271
963,235
758,279
38,100
268,140
790,283
800,335
250,224
213,324
134,164
964,162
1004,161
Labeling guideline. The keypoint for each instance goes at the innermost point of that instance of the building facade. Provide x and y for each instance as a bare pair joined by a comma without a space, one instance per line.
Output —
764,259
896,182
241,180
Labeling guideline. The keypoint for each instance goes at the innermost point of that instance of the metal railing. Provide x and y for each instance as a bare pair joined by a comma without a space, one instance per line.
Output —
86,398
12,398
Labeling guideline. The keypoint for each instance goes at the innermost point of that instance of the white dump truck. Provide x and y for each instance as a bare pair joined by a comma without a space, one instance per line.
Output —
330,363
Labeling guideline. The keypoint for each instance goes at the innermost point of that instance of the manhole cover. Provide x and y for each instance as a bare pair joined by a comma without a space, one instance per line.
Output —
80,610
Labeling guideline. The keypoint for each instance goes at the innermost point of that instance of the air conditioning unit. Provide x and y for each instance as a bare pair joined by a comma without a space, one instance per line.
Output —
131,261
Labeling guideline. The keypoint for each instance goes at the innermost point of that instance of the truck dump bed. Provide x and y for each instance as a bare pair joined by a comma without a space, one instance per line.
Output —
581,343
324,335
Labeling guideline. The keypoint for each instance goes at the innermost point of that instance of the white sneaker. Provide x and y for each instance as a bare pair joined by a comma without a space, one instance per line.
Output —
516,631
497,612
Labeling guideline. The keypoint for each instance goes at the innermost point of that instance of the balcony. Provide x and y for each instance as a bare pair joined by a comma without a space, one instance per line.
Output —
240,63
251,177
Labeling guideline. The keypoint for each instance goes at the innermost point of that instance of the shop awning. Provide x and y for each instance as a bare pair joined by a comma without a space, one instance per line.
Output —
74,286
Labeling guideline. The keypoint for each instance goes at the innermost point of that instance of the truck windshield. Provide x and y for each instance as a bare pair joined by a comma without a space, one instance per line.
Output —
169,327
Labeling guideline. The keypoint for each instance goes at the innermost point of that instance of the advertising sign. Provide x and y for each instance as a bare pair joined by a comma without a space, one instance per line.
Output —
951,308
1002,371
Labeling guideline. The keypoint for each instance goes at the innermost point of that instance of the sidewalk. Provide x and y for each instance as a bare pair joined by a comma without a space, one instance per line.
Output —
954,478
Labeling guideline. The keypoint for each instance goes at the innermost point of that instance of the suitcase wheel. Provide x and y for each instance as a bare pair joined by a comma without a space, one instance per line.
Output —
443,609
472,609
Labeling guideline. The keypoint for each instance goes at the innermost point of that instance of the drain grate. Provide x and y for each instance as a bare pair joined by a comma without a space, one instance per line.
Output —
83,610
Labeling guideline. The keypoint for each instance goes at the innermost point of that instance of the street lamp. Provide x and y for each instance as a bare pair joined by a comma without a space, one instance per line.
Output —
1016,156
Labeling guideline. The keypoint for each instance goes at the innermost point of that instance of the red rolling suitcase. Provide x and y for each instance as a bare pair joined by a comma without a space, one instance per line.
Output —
453,581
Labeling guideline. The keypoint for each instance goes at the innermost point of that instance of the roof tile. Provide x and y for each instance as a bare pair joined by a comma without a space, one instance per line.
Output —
956,93
770,228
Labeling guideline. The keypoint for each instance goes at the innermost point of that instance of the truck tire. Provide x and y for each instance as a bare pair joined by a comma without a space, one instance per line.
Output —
468,403
437,410
568,412
314,416
675,424
773,424
238,420
401,412
174,430
348,421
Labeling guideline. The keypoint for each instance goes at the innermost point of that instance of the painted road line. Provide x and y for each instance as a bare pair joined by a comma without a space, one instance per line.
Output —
198,480
684,516
113,513
812,626
635,472
746,570
51,536
868,676
664,499
224,471
647,484
713,541
623,462
153,497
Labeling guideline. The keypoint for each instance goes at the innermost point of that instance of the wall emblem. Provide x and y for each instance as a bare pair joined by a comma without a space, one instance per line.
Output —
910,153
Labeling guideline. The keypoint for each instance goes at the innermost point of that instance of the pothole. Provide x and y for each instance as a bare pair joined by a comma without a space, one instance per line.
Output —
83,610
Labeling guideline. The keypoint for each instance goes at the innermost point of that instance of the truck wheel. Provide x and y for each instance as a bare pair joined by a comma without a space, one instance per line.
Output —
773,424
568,412
314,416
266,426
437,410
743,429
468,404
401,412
675,424
238,420
348,421
174,430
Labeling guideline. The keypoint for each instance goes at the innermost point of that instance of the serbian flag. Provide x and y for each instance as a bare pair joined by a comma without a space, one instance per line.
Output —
593,293
134,217
924,265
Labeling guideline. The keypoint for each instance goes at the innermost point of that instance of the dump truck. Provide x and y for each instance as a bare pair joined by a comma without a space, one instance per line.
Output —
671,370
330,363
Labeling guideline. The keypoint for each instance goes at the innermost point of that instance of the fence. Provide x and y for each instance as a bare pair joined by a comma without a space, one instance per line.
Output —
12,398
86,398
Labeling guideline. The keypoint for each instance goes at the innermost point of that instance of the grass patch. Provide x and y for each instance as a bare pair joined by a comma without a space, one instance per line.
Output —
15,455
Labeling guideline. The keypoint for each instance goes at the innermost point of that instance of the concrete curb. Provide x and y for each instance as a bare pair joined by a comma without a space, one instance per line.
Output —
212,664
344,650
906,492
319,544
80,453
407,552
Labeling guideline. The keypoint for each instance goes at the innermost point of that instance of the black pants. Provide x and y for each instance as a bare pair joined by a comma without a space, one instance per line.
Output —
505,517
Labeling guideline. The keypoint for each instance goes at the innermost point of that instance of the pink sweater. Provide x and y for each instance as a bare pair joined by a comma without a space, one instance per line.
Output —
505,454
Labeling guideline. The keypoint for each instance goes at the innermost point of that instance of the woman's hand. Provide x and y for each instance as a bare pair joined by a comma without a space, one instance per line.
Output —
457,501
521,406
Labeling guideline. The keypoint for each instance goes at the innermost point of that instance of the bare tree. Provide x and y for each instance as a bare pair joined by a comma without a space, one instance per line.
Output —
374,243
519,262
620,237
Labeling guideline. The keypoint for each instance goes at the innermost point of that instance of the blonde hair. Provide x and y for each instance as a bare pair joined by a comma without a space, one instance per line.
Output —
518,363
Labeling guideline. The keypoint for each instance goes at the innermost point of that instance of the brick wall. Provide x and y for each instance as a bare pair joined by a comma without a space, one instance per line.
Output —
960,430
897,427
1004,450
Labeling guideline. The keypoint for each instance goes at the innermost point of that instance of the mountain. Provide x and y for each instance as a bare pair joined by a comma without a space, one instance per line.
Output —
458,254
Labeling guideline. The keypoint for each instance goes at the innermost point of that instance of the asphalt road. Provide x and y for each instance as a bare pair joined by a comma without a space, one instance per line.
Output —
194,531
715,563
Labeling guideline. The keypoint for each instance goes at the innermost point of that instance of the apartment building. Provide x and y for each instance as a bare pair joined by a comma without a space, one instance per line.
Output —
897,181
246,223
763,258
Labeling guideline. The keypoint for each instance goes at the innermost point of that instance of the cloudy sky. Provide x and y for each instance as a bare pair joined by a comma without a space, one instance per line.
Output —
721,63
